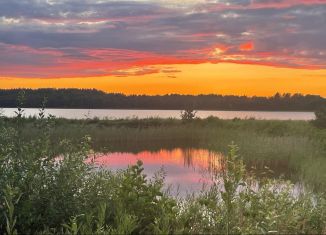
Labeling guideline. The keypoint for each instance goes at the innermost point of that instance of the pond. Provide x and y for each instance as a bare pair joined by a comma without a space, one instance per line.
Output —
187,170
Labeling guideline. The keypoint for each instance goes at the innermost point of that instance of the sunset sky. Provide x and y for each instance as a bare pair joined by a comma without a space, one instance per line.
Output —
243,47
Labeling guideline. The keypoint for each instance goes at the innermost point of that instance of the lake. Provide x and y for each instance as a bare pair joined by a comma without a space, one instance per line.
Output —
123,113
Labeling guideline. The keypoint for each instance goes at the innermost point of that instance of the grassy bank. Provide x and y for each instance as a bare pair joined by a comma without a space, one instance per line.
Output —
42,193
294,148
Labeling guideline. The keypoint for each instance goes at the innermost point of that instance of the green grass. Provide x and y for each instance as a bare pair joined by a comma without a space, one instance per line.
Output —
43,194
295,149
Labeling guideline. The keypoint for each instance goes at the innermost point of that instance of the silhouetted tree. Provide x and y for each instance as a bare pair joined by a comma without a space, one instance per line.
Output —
90,98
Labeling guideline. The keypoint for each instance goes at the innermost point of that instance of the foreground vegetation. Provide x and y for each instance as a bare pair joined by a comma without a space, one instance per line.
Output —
47,188
44,193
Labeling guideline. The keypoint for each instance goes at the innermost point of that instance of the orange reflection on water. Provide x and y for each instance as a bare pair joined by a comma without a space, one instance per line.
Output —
187,169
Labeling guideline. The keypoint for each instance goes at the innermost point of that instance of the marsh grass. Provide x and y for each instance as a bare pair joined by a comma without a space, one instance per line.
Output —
295,149
43,194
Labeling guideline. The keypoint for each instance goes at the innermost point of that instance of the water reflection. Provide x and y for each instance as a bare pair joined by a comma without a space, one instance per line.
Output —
187,170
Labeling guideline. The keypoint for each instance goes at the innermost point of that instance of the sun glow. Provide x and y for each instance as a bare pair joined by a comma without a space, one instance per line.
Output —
207,78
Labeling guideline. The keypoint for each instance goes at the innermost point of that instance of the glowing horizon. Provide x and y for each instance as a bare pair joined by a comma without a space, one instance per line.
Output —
186,81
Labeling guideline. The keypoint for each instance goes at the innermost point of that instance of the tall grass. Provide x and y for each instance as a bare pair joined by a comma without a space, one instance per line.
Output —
47,188
295,149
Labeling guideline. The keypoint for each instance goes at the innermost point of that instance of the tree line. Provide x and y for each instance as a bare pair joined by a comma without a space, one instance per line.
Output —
95,99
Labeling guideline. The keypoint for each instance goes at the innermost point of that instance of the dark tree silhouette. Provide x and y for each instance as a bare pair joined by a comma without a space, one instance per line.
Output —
90,99
188,114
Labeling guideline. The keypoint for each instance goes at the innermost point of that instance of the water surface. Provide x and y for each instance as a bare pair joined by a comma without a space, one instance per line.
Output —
126,113
187,170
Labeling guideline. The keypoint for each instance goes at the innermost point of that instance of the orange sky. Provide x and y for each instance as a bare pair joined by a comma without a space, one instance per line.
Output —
247,47
206,78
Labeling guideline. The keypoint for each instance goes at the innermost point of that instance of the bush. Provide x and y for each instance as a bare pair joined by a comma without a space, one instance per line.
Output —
320,120
188,114
43,192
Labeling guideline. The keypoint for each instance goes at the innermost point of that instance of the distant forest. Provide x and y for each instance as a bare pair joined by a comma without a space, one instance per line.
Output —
94,99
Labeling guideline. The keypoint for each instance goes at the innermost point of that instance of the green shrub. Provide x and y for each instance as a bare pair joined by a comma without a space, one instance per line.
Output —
320,120
48,188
